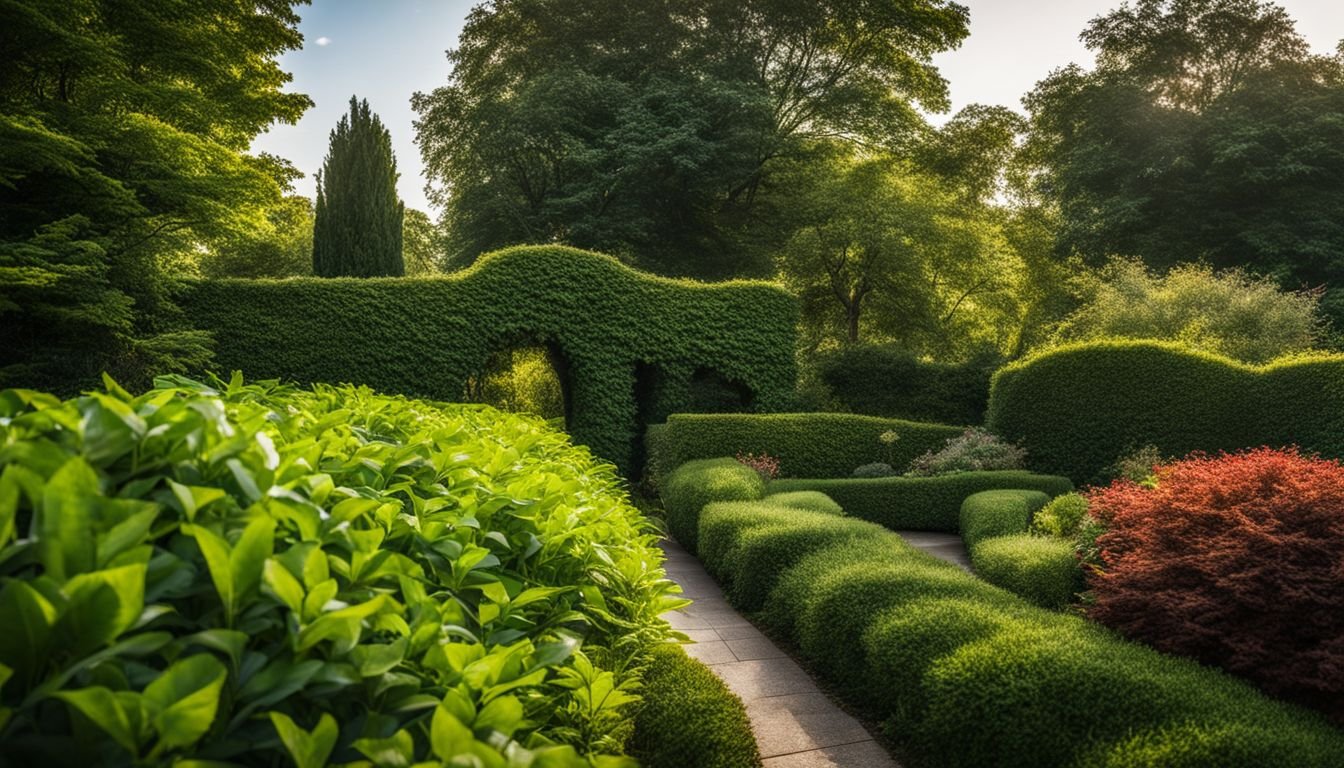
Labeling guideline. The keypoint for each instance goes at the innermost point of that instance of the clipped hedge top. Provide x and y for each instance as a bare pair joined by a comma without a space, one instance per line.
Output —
211,571
426,336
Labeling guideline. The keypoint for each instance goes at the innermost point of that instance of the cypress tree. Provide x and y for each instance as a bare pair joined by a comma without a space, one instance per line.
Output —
357,224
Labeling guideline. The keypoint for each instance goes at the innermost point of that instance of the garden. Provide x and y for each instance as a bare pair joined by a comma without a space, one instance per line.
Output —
731,409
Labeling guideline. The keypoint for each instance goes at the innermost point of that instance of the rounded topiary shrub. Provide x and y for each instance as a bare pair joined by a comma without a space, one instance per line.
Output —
1234,560
1062,517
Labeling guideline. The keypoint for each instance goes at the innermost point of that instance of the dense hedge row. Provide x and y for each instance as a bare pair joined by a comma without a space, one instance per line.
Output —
1079,408
696,483
918,503
690,718
806,444
632,343
920,643
253,574
881,380
1042,569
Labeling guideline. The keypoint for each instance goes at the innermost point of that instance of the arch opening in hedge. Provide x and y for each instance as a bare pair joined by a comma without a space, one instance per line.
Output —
508,378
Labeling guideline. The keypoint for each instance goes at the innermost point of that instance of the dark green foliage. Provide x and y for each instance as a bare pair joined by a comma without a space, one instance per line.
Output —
1078,409
697,483
919,503
782,612
885,380
876,469
998,513
761,553
806,444
357,227
690,718
812,501
1042,569
615,329
722,524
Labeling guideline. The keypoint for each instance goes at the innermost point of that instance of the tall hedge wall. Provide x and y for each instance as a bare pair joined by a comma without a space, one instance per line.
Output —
1077,409
616,330
885,380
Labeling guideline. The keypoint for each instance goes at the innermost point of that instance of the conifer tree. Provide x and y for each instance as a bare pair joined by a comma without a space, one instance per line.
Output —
358,217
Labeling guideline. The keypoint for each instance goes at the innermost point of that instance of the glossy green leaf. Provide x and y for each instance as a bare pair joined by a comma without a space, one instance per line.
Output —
117,714
309,749
184,699
67,534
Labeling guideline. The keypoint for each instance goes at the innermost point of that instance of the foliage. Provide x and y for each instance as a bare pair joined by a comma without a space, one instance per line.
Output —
1233,560
357,227
990,514
1041,570
886,380
654,130
522,381
1062,518
1229,313
283,247
1207,130
974,450
919,503
123,131
696,483
918,642
421,245
689,717
1137,465
202,567
1077,409
875,469
811,501
806,444
624,338
766,466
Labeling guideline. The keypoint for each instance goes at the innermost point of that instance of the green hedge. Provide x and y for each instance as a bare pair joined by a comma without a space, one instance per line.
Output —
1078,408
884,380
1042,569
632,343
689,717
919,503
697,483
988,514
806,444
812,501
968,675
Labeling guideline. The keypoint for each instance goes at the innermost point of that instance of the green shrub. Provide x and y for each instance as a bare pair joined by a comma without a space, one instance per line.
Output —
1043,570
812,501
974,450
885,380
689,717
807,444
722,524
763,552
918,503
876,469
781,610
204,569
1062,517
998,513
1077,409
697,483
631,344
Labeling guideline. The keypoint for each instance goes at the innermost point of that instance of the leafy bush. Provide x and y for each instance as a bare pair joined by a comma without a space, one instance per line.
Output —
1137,465
1062,518
919,503
631,343
876,469
766,466
998,513
697,483
234,572
974,450
812,501
885,380
807,444
689,717
1077,409
1043,570
1234,560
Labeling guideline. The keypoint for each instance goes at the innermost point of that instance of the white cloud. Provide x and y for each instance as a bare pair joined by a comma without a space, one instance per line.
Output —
323,41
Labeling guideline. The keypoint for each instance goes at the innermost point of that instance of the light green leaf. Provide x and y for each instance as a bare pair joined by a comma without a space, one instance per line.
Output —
374,660
216,553
281,584
101,606
309,750
396,751
448,737
126,534
66,533
117,714
27,618
503,714
249,555
184,699
194,498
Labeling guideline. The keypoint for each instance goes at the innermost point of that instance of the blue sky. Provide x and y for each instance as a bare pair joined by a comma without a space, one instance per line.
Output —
385,50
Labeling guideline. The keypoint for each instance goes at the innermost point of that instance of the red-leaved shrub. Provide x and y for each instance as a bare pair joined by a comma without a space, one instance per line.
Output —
1236,560
766,466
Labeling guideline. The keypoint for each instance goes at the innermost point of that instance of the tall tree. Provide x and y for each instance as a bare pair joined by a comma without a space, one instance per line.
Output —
1206,131
357,226
124,127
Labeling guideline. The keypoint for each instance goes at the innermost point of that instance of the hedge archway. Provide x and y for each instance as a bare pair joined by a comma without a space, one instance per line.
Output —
425,336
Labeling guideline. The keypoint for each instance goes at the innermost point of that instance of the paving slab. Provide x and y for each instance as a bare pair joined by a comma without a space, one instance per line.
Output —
944,546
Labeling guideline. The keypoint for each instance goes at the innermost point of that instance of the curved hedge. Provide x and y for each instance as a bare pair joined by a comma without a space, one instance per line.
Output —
613,327
696,483
812,501
690,718
1041,569
806,444
254,573
1078,408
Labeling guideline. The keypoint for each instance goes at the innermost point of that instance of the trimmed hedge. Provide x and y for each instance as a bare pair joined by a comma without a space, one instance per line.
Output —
812,501
689,717
806,444
1079,408
632,343
989,514
885,380
697,483
1041,569
919,503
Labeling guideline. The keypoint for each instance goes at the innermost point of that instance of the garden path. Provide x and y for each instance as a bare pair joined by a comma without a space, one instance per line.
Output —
946,546
796,725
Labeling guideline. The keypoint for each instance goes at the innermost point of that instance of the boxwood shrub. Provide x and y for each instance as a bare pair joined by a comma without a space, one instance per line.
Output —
631,344
1041,569
261,574
1077,409
998,513
696,483
806,444
885,380
812,501
689,717
918,503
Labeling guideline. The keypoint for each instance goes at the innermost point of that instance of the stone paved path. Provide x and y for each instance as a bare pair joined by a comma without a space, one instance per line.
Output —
947,546
796,726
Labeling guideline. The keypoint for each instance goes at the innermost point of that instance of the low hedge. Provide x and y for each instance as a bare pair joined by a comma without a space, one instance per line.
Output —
696,483
885,380
930,648
1079,408
806,444
689,717
1042,569
988,514
919,503
812,501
